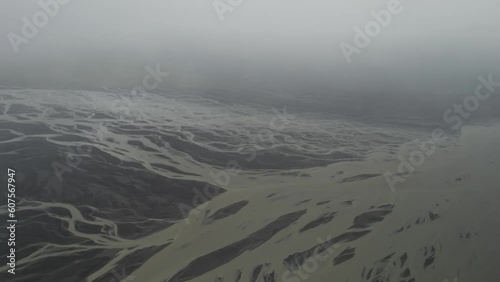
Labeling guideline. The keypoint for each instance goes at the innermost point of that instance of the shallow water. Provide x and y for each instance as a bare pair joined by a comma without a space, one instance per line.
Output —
173,187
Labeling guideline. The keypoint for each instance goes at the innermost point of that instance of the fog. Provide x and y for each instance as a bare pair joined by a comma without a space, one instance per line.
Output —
428,48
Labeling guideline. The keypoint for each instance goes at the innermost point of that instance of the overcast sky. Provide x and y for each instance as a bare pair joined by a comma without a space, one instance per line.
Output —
430,47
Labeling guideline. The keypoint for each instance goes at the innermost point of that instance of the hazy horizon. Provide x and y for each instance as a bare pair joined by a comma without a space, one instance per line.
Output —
249,140
427,49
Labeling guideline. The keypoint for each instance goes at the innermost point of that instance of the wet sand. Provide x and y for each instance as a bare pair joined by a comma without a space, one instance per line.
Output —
187,191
